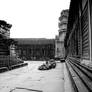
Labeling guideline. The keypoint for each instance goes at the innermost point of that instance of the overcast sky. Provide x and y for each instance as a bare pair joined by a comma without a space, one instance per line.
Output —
32,18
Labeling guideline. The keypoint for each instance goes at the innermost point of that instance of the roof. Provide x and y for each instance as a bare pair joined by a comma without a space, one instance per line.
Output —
30,41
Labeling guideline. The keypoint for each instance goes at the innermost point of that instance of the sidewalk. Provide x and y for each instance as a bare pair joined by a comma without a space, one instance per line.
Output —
30,79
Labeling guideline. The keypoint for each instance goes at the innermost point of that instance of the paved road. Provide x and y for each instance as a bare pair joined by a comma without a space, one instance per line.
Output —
29,79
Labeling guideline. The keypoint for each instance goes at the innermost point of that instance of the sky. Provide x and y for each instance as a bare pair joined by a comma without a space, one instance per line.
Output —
32,18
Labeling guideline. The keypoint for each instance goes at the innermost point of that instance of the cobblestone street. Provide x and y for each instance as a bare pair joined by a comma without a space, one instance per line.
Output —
30,79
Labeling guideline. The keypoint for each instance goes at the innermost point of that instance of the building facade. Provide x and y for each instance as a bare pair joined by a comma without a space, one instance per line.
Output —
78,40
35,49
63,20
7,58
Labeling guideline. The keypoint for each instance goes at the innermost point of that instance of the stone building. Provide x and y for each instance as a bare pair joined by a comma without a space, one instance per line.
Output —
78,45
4,29
57,47
7,59
63,20
78,40
35,49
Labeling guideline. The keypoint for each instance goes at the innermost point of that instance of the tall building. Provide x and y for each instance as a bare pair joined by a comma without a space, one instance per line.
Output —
59,43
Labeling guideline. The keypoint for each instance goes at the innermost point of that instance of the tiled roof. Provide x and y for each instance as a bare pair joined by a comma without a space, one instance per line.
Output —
34,41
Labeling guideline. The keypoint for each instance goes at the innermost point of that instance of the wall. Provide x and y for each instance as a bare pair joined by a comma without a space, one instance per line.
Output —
79,35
